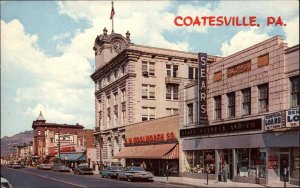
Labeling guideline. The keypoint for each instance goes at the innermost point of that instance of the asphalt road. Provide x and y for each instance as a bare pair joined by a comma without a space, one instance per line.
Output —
33,178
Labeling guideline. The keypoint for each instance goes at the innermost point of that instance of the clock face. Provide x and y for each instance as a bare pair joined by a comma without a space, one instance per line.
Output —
118,46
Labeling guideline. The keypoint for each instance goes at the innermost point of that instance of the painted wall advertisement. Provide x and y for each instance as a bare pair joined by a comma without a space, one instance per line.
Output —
273,121
292,118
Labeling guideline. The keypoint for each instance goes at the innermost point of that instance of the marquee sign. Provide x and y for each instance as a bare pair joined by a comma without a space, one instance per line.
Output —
202,95
223,128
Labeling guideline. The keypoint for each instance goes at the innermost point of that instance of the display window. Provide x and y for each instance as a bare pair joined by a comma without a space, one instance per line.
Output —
295,163
251,162
200,161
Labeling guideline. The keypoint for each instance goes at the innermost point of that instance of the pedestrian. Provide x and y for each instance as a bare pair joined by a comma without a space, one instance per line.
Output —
143,165
225,171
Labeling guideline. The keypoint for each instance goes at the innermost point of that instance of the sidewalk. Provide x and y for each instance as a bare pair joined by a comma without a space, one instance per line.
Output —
213,183
202,182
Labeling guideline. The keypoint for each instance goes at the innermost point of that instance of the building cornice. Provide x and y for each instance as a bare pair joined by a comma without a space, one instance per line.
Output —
291,49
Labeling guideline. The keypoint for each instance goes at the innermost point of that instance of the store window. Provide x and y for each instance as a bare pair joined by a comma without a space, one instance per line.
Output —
295,91
199,161
251,162
295,163
246,101
263,97
231,104
218,107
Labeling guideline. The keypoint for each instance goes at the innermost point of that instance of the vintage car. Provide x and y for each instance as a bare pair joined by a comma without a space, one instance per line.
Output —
132,173
81,170
110,171
59,167
5,183
15,165
43,167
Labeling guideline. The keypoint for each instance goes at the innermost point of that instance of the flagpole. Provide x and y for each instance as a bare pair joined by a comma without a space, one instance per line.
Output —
112,20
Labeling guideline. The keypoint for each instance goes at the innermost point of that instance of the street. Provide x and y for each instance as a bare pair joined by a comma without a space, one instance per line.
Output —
31,178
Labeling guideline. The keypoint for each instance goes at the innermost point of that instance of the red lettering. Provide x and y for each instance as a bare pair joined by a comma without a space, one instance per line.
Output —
197,21
211,20
270,20
187,21
220,21
176,22
252,20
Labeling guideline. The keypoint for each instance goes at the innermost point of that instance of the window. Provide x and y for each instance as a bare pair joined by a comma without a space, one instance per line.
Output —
172,70
218,107
193,73
108,79
123,116
246,101
116,117
148,91
123,95
123,69
108,101
148,113
190,113
231,104
148,68
263,98
295,88
172,92
39,132
115,98
263,60
116,74
172,111
199,160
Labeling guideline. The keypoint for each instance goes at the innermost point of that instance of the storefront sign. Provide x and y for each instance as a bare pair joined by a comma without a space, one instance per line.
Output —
202,95
292,118
273,121
224,128
151,138
273,162
64,138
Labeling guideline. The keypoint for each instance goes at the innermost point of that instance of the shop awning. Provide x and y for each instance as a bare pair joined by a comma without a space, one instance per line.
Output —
159,151
73,156
258,140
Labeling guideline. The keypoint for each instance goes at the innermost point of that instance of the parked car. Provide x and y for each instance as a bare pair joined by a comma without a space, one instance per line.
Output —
132,173
59,167
110,171
15,165
81,170
5,183
43,167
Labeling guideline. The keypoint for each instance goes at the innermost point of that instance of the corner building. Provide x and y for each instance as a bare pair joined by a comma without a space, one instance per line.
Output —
134,83
253,113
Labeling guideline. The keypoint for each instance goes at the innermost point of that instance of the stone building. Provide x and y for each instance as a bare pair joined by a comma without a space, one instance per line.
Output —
134,83
253,117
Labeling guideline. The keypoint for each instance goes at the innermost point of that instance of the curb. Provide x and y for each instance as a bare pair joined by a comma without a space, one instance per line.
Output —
174,183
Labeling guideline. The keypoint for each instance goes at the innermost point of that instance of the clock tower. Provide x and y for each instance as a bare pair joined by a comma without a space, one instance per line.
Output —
108,46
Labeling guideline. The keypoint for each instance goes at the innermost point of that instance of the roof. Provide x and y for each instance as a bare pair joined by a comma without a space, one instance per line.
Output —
158,151
41,117
80,156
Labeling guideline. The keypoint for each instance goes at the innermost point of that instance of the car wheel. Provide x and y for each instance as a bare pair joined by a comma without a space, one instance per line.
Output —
129,179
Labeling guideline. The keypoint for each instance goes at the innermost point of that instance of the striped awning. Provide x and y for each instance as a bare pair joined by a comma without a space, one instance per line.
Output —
157,151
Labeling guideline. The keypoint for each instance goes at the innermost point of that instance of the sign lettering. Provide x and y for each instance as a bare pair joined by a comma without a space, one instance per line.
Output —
202,82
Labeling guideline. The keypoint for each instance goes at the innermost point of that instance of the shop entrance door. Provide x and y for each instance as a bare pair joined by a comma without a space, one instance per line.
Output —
284,164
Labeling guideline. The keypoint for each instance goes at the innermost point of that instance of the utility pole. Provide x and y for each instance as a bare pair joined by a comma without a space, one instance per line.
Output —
100,152
58,145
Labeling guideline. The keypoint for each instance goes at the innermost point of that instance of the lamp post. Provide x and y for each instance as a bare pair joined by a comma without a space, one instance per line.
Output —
58,145
100,152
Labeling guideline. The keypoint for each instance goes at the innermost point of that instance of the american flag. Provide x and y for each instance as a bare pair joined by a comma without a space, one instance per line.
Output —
112,13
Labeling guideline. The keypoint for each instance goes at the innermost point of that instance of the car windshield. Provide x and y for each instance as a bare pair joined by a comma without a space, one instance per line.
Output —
136,168
116,168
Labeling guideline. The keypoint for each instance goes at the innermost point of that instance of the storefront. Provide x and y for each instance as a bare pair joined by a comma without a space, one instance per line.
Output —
253,157
154,142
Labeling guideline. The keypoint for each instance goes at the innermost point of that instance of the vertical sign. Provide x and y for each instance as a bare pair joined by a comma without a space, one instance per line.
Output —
202,95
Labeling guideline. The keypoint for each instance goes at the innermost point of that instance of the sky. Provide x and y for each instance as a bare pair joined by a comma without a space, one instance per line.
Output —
47,52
